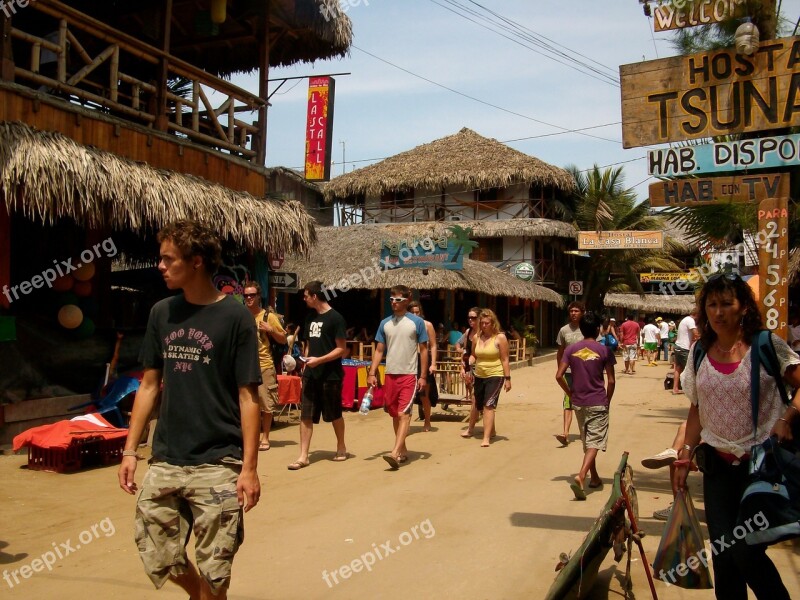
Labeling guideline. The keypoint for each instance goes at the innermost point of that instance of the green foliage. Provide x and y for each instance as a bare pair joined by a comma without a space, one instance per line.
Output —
602,203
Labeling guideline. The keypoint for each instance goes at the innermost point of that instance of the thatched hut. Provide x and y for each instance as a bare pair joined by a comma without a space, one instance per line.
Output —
464,161
672,304
47,176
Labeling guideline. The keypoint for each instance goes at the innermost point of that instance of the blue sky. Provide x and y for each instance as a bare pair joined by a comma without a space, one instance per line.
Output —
381,110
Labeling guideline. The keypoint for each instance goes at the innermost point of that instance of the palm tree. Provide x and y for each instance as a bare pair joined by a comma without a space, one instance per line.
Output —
602,203
461,240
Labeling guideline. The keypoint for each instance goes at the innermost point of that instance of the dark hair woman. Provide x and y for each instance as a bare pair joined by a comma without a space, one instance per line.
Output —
720,420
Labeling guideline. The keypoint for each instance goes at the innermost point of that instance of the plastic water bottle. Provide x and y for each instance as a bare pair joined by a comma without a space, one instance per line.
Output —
366,402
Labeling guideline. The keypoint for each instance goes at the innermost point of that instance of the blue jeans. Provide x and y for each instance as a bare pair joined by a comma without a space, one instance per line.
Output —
736,565
665,348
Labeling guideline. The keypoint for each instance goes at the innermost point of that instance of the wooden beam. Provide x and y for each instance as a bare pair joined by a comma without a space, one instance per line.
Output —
260,141
6,54
163,69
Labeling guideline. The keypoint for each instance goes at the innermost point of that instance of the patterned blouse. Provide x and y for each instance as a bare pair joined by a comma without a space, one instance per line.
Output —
724,400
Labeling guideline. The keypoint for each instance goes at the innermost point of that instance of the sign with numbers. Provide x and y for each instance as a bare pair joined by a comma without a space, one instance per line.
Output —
773,260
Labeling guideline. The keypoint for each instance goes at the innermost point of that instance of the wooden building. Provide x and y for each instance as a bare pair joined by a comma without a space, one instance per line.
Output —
504,196
116,118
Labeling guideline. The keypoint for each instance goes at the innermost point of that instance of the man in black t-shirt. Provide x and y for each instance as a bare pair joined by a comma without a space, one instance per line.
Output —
324,336
202,346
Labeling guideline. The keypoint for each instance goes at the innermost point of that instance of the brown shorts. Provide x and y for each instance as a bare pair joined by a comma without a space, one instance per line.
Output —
175,501
268,392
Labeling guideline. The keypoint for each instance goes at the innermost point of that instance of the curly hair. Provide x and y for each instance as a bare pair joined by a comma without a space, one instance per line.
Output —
194,239
722,284
487,313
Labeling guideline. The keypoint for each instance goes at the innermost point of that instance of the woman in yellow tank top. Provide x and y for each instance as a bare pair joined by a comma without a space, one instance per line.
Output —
492,373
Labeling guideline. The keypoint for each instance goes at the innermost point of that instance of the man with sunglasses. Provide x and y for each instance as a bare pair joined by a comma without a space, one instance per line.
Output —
268,327
403,338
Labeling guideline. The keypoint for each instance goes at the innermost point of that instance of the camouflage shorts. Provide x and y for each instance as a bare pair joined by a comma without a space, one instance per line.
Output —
176,501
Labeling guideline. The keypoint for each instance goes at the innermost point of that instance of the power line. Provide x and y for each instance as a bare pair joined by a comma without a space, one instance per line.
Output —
474,99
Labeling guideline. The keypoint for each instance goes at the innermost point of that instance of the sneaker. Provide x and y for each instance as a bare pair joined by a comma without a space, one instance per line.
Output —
662,459
663,514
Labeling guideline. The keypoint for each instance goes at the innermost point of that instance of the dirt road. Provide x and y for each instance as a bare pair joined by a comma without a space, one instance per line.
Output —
458,520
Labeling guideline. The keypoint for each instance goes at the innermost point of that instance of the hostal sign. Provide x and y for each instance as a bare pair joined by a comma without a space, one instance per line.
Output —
710,94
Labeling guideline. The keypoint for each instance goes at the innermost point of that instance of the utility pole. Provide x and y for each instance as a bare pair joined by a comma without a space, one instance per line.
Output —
344,165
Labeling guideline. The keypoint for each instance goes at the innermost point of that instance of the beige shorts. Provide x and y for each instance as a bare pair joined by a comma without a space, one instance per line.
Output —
175,501
268,392
593,423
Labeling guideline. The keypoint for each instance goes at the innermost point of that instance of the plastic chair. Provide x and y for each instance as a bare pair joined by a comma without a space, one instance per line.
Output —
109,405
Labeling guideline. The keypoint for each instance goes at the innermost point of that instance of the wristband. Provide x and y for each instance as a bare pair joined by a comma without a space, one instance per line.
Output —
507,377
129,453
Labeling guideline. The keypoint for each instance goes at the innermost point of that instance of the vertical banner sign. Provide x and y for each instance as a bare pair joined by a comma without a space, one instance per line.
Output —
773,259
319,128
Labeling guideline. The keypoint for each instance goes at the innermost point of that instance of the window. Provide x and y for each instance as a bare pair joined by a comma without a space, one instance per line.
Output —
489,195
488,250
402,199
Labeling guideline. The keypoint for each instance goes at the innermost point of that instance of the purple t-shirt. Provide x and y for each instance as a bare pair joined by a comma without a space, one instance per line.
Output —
588,360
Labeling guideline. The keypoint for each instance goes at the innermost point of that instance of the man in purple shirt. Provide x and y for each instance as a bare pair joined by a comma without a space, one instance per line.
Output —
590,395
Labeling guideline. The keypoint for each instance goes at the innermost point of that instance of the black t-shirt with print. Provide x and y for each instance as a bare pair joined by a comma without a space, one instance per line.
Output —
205,353
321,332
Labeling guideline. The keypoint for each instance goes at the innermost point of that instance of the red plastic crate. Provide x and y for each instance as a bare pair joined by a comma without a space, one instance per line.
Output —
81,453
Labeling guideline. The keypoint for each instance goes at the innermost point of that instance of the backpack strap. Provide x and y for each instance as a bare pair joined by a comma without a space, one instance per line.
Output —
762,352
698,356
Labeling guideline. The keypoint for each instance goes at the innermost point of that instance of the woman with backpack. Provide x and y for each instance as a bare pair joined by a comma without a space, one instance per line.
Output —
720,428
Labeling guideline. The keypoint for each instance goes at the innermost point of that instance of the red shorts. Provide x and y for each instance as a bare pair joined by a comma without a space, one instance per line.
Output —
398,393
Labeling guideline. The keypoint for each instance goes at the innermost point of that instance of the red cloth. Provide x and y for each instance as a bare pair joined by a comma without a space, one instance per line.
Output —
349,384
61,434
288,389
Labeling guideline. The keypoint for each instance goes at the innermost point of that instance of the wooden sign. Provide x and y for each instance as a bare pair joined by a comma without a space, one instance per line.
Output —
712,93
740,155
620,240
665,276
773,264
709,190
689,13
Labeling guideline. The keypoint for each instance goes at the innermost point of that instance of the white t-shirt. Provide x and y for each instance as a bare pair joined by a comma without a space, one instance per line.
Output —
650,334
664,330
685,337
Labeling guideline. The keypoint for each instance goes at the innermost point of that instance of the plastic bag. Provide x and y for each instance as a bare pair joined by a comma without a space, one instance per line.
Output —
681,558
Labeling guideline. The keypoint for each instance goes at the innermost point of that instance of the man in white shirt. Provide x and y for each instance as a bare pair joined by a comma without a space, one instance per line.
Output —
650,337
687,335
663,331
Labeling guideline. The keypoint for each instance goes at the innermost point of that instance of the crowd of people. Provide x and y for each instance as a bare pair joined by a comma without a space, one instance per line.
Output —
207,357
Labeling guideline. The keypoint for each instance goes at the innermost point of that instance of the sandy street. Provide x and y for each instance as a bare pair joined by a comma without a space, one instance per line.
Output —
457,521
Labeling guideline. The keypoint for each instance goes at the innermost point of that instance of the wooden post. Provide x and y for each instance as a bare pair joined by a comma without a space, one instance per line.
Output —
6,55
773,263
5,253
162,119
263,88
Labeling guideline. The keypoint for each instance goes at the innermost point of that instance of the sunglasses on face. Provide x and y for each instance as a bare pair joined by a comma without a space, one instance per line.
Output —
471,318
250,295
396,299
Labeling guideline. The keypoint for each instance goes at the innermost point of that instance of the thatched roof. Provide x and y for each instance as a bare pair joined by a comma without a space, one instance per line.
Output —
299,30
342,252
466,159
46,176
652,303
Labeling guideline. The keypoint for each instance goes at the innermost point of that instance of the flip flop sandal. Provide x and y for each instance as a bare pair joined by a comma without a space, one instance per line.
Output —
393,462
578,491
297,465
